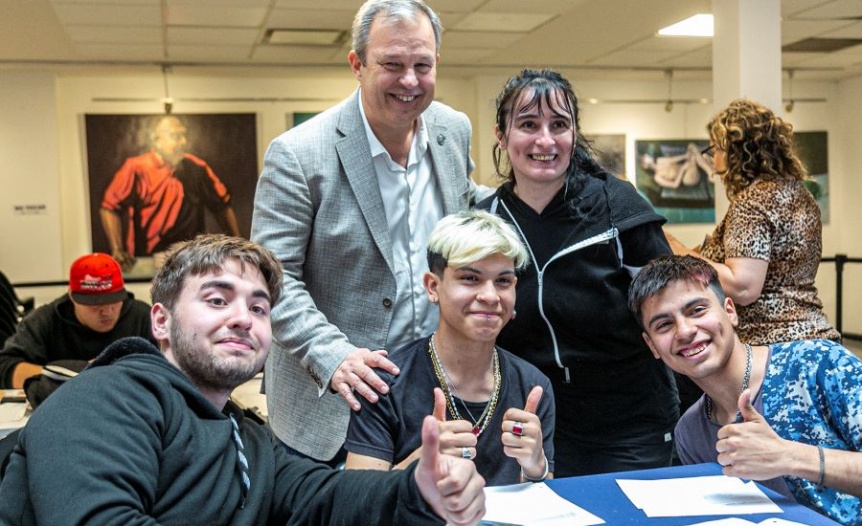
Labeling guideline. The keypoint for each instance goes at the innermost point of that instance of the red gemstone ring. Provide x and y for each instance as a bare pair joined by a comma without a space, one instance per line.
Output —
518,428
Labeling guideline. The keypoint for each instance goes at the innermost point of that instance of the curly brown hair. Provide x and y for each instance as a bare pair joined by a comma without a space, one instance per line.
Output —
757,143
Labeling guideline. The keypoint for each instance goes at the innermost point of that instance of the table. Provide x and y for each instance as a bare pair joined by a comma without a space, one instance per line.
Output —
600,495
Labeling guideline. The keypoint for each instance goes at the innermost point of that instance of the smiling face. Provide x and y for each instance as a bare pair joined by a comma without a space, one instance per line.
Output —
399,74
689,329
218,331
476,300
539,139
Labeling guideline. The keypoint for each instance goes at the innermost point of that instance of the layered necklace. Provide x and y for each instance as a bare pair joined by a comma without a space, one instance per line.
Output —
745,379
449,391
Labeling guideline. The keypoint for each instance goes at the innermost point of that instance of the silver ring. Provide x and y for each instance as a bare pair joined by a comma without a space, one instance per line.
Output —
465,453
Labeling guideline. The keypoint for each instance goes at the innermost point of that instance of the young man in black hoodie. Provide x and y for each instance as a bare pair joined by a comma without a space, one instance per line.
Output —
148,435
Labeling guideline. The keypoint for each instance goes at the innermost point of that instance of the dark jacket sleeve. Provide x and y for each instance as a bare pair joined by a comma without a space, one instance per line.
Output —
26,345
310,493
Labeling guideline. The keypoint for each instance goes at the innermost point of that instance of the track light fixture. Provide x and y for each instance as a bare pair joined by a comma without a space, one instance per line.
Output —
790,103
167,101
668,106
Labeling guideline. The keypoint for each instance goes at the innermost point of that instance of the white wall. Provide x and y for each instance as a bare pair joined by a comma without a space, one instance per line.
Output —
29,182
43,155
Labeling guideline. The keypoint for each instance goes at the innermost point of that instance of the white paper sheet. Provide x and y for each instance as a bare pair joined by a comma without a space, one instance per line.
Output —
12,412
684,497
533,504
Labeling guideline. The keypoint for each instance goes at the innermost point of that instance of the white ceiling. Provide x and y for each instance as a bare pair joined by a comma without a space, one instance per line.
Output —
599,38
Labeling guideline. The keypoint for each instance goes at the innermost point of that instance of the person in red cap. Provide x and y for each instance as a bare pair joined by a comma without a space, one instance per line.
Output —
75,327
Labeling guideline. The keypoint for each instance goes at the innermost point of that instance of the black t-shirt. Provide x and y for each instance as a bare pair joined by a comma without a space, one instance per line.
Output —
391,429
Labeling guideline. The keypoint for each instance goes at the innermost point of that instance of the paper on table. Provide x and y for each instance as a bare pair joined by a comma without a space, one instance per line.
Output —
12,412
683,497
533,504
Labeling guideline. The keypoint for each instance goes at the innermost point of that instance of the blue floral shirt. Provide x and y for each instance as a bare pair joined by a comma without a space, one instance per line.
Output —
812,394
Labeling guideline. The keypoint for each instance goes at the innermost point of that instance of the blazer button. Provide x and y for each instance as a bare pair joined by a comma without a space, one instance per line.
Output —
387,302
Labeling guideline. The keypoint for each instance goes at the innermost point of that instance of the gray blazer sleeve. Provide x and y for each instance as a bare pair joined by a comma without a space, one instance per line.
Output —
284,219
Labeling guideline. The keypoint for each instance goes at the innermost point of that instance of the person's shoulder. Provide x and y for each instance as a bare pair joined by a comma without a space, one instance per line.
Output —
48,309
487,203
325,122
628,207
813,352
692,419
405,357
194,159
439,113
147,159
522,368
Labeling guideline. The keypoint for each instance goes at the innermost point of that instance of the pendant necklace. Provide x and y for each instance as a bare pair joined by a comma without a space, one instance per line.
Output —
745,379
449,391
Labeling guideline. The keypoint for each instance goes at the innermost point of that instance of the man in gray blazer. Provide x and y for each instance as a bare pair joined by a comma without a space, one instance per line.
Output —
346,202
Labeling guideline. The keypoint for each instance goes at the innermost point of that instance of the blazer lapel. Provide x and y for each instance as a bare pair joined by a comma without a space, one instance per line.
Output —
441,158
355,157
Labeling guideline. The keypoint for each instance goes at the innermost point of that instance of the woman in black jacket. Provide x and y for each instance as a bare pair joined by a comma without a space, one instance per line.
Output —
587,234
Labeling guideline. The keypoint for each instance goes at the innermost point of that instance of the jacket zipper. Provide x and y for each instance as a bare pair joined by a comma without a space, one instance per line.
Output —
540,273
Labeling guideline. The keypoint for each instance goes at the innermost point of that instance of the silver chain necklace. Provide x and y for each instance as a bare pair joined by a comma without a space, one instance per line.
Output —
745,379
484,417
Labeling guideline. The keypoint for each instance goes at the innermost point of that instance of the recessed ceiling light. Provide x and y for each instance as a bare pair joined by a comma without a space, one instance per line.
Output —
700,25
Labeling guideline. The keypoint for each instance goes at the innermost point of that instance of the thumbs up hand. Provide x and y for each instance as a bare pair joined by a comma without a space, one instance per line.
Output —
451,486
456,436
751,449
522,435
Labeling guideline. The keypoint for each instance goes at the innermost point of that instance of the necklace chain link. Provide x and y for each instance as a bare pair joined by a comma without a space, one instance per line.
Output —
450,392
745,380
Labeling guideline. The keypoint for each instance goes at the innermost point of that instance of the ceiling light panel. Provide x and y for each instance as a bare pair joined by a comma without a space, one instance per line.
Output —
700,25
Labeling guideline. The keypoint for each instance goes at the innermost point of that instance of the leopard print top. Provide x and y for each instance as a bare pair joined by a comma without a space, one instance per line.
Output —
779,222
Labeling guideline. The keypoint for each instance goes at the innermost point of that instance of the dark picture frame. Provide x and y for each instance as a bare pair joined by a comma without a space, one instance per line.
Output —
227,142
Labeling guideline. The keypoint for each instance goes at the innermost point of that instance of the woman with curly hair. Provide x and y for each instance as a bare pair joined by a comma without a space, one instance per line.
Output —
767,248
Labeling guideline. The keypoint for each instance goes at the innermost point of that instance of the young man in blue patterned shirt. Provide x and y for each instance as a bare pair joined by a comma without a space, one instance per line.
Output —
787,414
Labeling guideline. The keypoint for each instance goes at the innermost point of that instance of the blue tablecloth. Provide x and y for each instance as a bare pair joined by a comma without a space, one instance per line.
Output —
602,496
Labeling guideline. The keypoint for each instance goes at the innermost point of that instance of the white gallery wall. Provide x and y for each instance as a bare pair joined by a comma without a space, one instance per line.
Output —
43,150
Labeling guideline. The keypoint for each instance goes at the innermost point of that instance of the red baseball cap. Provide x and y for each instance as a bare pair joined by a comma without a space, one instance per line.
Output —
96,279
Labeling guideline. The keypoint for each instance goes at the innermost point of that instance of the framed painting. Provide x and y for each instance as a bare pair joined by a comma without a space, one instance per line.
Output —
610,150
677,179
157,179
813,149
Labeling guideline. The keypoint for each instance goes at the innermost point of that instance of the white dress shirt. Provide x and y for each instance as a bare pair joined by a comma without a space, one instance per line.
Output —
413,206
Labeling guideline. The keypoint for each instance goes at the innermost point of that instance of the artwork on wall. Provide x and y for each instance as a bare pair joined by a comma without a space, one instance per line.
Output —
677,179
158,179
812,148
610,150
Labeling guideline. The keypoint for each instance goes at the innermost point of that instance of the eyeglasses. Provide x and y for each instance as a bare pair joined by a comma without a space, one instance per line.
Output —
708,151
